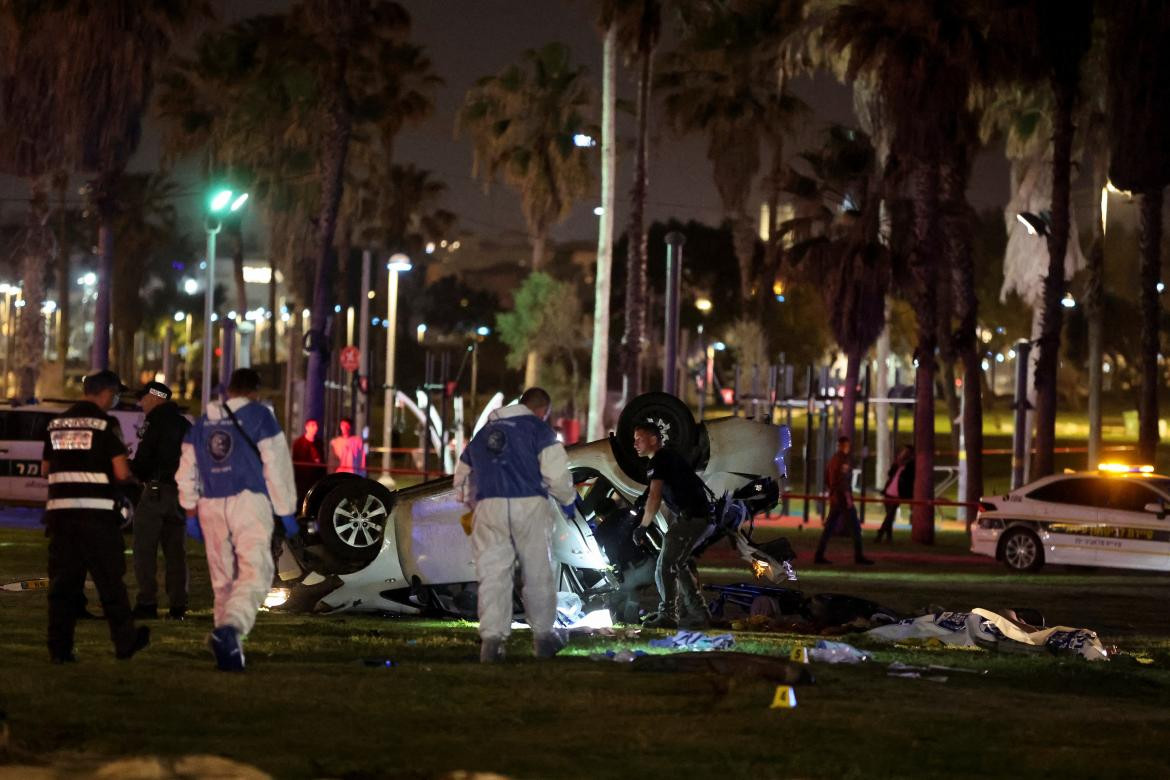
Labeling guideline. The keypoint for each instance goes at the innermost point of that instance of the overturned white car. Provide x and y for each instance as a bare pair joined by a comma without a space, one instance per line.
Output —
364,547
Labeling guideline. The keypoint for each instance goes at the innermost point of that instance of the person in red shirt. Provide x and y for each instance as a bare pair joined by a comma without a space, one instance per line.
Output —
838,481
306,455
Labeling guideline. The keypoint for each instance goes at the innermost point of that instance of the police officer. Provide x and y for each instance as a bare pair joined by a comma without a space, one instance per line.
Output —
674,481
158,519
234,474
83,458
506,475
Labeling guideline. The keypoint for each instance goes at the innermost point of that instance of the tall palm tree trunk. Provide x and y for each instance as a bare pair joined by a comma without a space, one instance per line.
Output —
599,361
1094,311
30,341
332,180
237,233
1151,271
532,360
61,184
924,269
1048,361
849,400
743,237
100,355
636,237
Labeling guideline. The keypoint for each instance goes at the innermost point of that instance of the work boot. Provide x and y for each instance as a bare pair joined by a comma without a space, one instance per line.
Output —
141,640
696,618
661,620
225,646
491,651
548,645
145,612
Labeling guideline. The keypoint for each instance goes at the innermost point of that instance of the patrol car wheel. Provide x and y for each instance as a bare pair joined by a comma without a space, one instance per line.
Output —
352,520
1021,550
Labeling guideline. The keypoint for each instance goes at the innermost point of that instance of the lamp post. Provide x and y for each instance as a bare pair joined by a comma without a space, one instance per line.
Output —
674,245
397,264
222,202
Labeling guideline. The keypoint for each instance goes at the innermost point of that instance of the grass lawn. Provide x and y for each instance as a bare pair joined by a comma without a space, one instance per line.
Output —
310,707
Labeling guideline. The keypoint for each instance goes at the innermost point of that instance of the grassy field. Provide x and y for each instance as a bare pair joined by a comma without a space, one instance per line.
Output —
310,707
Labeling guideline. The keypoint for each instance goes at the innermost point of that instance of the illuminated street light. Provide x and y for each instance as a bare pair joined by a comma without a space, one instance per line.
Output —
398,263
190,286
584,141
719,346
483,330
180,316
704,305
221,200
1067,301
88,280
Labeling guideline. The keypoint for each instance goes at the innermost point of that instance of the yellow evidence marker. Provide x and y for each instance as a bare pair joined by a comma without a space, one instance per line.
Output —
785,698
799,654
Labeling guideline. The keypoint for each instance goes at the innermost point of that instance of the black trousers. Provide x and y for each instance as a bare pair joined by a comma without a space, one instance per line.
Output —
887,529
158,520
81,542
838,515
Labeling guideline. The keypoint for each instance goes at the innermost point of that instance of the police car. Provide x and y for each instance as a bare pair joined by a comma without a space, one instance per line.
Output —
22,439
365,548
1117,516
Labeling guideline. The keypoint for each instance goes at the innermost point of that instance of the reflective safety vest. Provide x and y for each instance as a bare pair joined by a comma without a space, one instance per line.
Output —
80,447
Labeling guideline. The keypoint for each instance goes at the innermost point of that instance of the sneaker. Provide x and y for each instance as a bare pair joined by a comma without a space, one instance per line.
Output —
660,620
177,613
225,646
145,612
548,645
491,651
863,562
141,640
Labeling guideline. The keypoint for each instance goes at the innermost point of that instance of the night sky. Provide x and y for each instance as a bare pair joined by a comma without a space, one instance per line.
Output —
468,39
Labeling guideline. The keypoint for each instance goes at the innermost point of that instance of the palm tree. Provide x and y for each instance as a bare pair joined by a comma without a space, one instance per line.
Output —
638,26
845,259
522,123
1138,88
922,57
726,80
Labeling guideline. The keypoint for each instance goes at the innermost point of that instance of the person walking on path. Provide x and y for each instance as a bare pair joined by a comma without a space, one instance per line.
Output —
235,474
838,480
506,475
899,485
158,518
83,459
674,482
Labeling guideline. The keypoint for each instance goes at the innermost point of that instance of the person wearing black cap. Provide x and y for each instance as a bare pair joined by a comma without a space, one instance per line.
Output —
158,518
83,459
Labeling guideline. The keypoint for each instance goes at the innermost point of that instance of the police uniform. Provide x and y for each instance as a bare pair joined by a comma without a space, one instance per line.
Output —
158,519
506,475
83,526
236,490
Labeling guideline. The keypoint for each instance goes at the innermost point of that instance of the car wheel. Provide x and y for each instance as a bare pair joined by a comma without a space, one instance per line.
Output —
1021,550
352,519
674,420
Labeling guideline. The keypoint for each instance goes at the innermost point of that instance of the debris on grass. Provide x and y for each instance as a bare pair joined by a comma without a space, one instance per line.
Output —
620,656
695,640
836,653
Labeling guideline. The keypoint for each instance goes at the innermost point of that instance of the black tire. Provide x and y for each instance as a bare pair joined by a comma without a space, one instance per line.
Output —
674,420
321,490
1021,551
351,521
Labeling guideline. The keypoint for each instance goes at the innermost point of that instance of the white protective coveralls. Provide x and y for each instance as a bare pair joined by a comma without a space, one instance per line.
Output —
506,474
236,495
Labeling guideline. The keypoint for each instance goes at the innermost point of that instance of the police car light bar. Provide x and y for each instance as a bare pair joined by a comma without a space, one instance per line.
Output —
1124,468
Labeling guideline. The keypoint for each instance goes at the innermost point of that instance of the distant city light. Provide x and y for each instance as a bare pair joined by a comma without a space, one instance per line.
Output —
430,247
454,245
584,140
1161,287
337,308
400,262
719,346
780,299
483,330
48,307
89,280
999,357
598,211
214,317
986,365
190,286
376,321
305,313
370,295
703,304
1067,301
257,274
1011,354
180,316
421,330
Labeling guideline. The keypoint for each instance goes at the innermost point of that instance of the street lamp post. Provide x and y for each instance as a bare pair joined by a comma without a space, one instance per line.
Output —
222,202
674,245
397,264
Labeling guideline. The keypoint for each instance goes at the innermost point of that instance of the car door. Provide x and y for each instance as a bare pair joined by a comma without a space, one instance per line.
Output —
1130,537
1069,512
22,435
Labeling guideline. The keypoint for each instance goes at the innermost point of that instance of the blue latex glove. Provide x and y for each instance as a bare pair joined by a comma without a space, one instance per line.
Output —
569,511
291,528
193,529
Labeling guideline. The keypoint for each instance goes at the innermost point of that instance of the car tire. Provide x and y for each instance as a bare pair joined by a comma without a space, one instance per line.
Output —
351,521
1021,551
674,419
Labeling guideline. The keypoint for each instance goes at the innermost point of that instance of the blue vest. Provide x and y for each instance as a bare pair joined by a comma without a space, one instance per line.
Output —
227,463
505,457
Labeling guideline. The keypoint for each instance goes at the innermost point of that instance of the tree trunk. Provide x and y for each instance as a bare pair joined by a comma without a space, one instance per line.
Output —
334,152
743,237
849,400
1048,361
63,283
1151,271
636,237
599,361
532,361
272,367
1094,311
30,340
924,270
100,355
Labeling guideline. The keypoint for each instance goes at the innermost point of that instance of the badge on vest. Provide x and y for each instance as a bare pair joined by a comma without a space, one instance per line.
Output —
71,440
219,446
